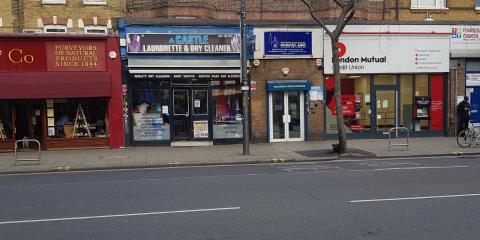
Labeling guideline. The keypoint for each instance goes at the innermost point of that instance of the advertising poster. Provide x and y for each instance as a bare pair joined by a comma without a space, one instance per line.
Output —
200,129
150,126
288,43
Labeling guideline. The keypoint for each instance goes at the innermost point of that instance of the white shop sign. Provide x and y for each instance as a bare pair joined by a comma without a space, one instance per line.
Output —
390,53
472,79
465,41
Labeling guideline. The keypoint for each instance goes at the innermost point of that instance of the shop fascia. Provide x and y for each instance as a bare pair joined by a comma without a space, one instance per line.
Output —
365,49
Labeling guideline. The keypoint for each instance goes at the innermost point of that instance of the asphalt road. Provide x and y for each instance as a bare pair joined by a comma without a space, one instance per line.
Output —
436,198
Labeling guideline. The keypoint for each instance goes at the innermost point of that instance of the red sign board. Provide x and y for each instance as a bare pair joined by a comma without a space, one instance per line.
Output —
52,56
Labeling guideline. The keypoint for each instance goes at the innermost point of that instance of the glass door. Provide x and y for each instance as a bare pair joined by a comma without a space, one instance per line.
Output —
181,114
387,110
191,114
286,113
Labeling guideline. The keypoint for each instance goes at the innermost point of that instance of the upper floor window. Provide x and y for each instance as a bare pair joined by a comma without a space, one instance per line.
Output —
429,4
477,4
95,29
54,29
95,2
54,1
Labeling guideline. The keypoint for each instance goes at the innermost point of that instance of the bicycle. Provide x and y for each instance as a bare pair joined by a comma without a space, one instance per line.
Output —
468,136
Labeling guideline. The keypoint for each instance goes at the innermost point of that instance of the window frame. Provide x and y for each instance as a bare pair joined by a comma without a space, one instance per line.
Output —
55,27
477,5
88,2
86,28
46,2
415,4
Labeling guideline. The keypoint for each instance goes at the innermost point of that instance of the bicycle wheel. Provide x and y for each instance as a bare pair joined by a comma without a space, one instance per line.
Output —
465,138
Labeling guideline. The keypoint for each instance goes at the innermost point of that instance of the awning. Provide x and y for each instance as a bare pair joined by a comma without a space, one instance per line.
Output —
288,85
55,85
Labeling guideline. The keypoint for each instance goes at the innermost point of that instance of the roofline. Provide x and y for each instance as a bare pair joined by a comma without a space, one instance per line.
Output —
49,36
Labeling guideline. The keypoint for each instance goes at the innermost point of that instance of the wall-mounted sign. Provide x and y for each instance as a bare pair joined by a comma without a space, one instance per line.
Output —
472,79
288,85
465,41
383,53
316,93
288,43
30,55
166,43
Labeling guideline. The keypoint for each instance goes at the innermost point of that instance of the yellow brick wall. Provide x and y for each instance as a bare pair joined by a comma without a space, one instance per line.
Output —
73,9
7,12
458,10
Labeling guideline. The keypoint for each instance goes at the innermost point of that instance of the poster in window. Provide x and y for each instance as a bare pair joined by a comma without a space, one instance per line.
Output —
200,129
51,131
149,127
423,107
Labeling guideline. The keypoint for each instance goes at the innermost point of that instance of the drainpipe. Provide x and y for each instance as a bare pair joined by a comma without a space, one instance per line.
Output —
20,15
397,10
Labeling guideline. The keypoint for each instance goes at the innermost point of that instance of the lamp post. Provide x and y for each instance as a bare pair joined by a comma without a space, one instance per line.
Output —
245,85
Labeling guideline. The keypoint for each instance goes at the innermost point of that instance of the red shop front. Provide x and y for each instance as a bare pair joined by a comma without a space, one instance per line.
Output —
64,91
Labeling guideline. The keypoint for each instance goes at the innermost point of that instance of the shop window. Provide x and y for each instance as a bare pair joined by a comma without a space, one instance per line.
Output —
385,80
151,119
89,114
429,4
421,90
406,101
6,126
227,112
472,65
356,104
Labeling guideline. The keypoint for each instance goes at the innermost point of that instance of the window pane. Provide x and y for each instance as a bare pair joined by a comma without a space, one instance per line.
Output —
477,3
150,114
65,118
385,80
6,126
406,101
180,102
473,66
227,122
200,102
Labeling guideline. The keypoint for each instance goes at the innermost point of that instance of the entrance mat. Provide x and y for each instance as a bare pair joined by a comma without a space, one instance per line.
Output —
351,153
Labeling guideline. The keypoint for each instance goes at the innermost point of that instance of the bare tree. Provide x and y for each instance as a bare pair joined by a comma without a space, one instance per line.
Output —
348,8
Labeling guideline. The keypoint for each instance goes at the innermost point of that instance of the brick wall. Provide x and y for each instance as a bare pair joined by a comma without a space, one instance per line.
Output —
73,10
300,69
8,13
458,10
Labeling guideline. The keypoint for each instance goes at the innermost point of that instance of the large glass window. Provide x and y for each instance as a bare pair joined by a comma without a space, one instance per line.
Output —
151,119
227,112
5,121
356,104
406,101
77,118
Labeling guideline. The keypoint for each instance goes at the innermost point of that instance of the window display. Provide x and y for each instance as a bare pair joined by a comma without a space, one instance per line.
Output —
227,120
151,120
5,121
63,114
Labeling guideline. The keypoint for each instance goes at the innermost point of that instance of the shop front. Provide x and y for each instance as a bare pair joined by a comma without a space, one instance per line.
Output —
63,91
390,79
287,84
183,85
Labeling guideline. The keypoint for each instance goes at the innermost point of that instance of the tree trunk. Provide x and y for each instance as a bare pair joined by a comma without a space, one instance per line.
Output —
342,135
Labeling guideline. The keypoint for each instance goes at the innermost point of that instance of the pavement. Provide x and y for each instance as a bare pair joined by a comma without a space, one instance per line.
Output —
147,157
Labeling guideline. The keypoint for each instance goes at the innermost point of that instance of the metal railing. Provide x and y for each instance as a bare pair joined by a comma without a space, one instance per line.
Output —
27,159
395,131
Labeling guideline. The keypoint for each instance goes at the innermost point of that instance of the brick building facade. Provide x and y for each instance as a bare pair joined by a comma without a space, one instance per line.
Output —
70,16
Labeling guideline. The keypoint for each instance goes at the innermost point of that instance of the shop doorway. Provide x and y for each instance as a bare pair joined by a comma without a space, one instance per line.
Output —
286,116
190,114
387,110
28,120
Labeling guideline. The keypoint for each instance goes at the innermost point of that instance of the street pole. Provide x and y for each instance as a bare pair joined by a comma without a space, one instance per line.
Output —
245,85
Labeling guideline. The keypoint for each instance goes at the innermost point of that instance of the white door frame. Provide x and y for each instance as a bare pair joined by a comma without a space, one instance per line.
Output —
287,118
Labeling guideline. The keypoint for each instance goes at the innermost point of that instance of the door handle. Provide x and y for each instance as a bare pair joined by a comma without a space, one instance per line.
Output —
187,114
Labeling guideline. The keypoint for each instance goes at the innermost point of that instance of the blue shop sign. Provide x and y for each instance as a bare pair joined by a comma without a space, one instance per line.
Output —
289,85
288,43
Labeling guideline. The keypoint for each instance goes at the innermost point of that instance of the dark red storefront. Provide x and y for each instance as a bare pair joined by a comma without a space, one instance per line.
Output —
65,91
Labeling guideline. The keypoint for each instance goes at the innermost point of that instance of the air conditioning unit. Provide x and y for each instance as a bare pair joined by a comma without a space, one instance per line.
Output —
32,31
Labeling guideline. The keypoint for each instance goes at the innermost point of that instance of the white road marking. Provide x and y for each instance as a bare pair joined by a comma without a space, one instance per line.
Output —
415,198
419,168
118,215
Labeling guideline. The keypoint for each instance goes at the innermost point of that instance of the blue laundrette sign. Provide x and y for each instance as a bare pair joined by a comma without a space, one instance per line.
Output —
288,43
288,85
